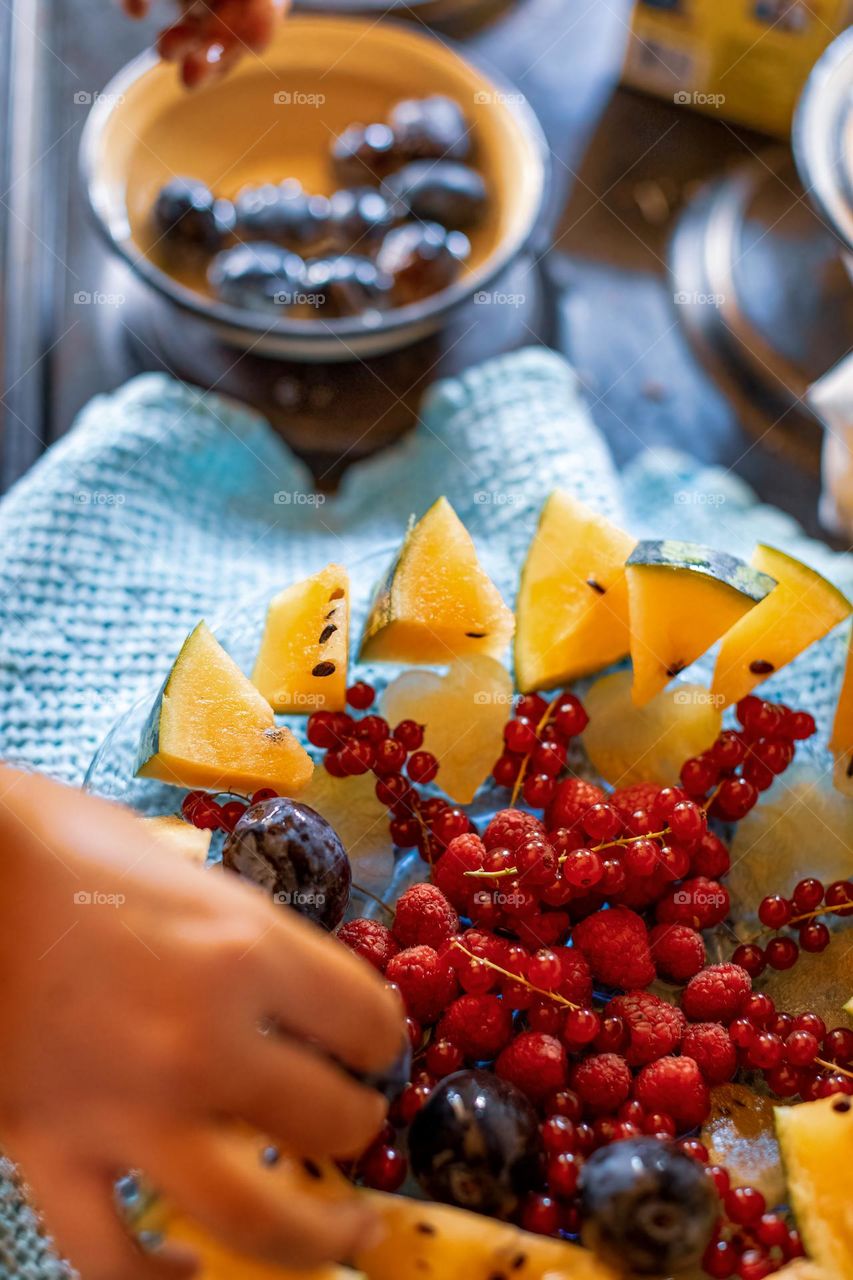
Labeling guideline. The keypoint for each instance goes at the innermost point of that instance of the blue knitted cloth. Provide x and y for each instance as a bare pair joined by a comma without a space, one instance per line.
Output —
165,504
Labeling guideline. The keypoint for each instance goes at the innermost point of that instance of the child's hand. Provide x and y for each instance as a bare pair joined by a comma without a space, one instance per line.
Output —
132,987
211,35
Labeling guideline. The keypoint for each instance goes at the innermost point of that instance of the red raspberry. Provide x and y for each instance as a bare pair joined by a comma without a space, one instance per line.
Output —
675,1087
616,944
577,978
678,951
710,1045
424,915
656,1027
602,1081
699,902
535,1063
716,994
510,827
370,939
639,795
479,1025
570,802
426,980
464,853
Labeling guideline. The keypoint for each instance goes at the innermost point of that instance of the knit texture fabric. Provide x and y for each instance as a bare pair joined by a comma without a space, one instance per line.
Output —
165,504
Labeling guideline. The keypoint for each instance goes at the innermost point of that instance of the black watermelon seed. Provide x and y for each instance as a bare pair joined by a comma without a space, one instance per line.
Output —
596,586
324,669
327,632
476,635
761,668
675,669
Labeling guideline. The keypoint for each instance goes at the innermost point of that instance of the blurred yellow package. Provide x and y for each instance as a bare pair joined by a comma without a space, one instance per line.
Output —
744,60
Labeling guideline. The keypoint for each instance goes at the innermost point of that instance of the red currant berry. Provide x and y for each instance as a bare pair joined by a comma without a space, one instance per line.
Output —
520,736
449,824
602,822
422,767
570,718
687,822
640,823
374,728
582,868
410,734
698,775
759,1008
695,1149
839,894
333,766
360,695
531,706
720,1178
265,793
736,797
321,730
775,911
549,758
383,1169
540,1214
538,790
720,1259
744,1205
784,1080
811,1022
580,1028
357,756
404,832
807,896
613,877
564,1102
411,1100
545,970
742,1033
766,1051
781,953
838,1046
563,1173
754,1264
641,857
389,757
613,1035
208,815
772,1230
666,800
814,936
750,957
193,802
558,1134
656,1123
729,751
443,1057
506,769
231,814
800,725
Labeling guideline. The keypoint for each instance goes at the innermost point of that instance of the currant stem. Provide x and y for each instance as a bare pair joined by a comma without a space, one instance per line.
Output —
366,893
808,915
514,977
834,1068
482,874
519,782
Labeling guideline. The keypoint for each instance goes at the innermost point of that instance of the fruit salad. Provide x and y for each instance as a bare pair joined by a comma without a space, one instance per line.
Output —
611,1071
390,234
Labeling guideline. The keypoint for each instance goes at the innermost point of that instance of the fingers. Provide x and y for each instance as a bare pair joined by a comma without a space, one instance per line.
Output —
307,1104
217,1181
318,990
135,8
80,1214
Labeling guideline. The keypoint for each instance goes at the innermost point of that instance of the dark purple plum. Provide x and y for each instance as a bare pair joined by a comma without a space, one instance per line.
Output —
431,128
347,285
476,1144
647,1206
284,214
188,217
421,258
440,191
257,277
364,155
294,854
360,217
